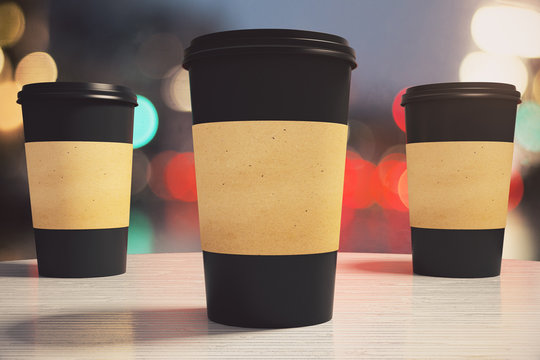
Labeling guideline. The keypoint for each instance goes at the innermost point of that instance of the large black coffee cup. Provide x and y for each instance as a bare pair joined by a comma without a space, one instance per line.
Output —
459,162
270,131
78,142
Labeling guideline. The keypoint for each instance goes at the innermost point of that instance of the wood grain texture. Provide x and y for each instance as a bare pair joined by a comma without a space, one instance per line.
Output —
157,311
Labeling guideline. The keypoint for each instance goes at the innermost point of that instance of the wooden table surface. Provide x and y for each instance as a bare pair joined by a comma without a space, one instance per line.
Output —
157,311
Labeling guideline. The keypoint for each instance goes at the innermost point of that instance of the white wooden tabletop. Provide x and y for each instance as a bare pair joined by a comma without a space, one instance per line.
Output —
157,311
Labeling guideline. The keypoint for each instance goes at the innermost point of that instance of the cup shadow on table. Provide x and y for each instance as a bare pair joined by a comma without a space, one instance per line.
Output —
401,267
11,269
118,327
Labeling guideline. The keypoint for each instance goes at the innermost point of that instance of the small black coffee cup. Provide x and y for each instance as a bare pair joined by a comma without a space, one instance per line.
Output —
459,162
78,142
270,134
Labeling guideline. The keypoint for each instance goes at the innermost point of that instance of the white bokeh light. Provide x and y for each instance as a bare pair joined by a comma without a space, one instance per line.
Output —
175,90
507,30
481,66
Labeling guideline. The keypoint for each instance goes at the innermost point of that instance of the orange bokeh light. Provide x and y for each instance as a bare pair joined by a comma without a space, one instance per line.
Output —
389,171
403,190
180,177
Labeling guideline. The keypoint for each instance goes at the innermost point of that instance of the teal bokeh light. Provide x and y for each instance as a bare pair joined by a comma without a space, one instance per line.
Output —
140,234
145,123
528,126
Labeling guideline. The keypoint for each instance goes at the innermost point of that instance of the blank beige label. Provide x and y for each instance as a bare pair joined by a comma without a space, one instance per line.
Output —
270,187
79,184
459,184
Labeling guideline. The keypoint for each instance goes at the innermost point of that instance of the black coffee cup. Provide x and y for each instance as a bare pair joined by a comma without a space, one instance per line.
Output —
78,142
459,162
270,130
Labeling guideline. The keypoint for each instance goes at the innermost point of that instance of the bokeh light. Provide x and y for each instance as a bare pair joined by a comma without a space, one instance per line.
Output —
6,73
528,126
145,52
140,173
180,177
140,233
36,67
11,23
175,89
389,171
158,53
403,189
481,66
10,111
536,87
398,111
524,158
358,191
157,174
2,58
507,30
520,239
516,190
145,123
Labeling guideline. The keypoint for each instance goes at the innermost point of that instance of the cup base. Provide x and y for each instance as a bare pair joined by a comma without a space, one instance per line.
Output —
81,253
270,291
457,253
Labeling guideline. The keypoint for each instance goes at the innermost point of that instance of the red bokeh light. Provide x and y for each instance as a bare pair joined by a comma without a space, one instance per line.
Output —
398,111
358,190
516,190
389,171
157,172
180,177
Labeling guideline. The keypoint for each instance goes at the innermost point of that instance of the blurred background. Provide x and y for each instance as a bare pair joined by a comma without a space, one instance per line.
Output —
398,44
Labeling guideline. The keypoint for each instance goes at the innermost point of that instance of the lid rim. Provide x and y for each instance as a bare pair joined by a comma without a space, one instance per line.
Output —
237,50
273,33
462,84
79,90
493,90
269,40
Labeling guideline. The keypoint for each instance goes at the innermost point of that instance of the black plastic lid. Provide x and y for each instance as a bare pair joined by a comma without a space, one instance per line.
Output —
490,90
76,90
258,41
